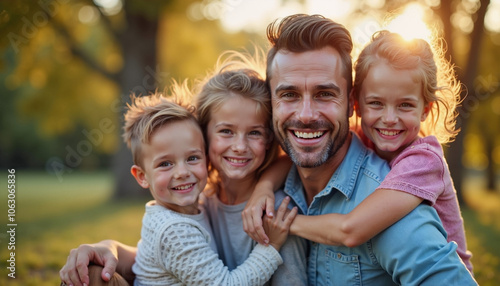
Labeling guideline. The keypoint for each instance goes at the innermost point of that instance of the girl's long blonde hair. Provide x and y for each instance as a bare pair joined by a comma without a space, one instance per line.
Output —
236,74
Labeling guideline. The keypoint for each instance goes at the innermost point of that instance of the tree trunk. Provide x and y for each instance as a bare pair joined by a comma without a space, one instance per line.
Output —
490,169
456,149
138,76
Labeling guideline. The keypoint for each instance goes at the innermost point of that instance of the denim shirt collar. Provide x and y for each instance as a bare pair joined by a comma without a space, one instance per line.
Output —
343,180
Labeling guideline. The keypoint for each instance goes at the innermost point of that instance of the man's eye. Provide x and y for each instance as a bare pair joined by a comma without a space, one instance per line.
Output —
288,95
323,94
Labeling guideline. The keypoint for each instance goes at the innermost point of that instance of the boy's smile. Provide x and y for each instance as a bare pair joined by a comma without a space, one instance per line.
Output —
175,168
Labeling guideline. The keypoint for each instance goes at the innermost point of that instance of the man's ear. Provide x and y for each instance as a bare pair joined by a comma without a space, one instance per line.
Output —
140,176
427,109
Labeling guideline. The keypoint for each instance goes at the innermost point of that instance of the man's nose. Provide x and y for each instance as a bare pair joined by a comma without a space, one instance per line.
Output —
307,112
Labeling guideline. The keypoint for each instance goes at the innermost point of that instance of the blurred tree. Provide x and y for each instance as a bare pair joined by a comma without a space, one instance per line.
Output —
71,65
47,93
468,74
106,47
487,117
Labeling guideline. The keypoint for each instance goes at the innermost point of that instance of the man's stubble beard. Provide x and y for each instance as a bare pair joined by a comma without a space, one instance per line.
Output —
314,160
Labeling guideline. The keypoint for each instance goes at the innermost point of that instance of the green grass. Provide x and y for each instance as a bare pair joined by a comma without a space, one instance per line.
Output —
55,216
482,226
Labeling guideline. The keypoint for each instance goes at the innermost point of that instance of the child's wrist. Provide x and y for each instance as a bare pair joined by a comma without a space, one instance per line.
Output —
275,246
264,187
294,227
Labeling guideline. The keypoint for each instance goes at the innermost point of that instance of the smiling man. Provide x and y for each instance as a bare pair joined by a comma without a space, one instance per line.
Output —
310,105
309,73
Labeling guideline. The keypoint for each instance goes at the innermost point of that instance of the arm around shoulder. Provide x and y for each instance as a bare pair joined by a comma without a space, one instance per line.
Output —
374,214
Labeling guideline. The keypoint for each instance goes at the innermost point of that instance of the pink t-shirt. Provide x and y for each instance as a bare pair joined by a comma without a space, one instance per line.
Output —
421,170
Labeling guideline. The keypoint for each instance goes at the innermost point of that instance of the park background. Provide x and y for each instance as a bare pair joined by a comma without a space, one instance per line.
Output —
67,67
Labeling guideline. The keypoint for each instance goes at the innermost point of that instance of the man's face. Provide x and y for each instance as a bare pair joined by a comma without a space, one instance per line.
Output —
311,109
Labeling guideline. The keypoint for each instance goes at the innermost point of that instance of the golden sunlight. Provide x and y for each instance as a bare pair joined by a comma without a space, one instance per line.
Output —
410,23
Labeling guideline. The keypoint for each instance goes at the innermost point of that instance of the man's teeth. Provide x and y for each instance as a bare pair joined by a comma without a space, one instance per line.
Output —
389,133
185,187
308,135
232,160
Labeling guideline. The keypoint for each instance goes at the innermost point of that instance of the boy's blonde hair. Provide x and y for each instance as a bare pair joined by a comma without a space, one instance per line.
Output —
146,114
236,75
436,76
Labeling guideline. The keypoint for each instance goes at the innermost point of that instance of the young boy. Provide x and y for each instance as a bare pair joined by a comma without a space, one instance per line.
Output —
170,159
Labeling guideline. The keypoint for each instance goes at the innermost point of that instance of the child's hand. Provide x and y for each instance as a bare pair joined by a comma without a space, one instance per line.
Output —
75,271
261,200
277,227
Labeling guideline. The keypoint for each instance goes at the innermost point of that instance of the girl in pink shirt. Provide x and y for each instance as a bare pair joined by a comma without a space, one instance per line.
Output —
406,96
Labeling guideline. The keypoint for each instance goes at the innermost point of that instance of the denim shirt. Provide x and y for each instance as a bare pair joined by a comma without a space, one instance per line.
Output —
413,251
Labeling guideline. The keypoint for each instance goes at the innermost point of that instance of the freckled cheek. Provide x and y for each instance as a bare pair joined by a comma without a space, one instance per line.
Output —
412,121
217,146
258,148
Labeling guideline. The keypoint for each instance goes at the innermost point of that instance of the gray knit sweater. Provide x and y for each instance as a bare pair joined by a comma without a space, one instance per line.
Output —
175,250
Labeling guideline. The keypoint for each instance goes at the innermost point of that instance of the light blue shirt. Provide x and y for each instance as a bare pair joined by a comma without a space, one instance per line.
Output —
413,251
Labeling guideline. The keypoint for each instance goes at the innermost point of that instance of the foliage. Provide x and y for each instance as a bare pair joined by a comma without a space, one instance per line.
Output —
52,95
60,65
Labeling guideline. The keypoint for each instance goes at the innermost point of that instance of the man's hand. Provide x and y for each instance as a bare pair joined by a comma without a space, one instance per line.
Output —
75,272
260,201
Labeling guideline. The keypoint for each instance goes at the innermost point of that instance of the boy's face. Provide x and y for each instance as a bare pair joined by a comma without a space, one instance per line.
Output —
175,168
